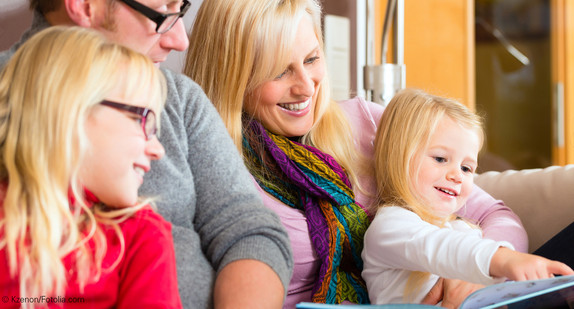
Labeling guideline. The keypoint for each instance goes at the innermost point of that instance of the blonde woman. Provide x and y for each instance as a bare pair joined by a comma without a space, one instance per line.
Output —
426,153
261,63
77,134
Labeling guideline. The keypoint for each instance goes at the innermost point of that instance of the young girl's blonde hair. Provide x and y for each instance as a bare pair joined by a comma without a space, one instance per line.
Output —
405,130
240,44
47,91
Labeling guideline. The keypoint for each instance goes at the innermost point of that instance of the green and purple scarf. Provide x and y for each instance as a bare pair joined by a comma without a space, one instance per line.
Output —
305,178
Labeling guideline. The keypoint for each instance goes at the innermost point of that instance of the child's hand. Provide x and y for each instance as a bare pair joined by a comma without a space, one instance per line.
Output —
521,266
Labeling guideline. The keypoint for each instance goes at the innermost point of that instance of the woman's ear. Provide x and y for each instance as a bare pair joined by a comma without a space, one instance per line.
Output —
80,12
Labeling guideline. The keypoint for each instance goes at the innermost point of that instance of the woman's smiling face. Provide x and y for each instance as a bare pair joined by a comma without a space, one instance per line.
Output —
286,105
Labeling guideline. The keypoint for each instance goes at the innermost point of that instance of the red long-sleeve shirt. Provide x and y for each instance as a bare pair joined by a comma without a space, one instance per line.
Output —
145,277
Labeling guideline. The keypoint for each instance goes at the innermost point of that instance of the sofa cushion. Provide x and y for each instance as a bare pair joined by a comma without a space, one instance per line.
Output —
542,198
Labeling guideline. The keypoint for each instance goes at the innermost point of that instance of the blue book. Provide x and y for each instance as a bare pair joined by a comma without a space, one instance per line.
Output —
557,292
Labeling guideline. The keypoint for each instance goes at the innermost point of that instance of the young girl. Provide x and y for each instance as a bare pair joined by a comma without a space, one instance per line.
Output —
78,118
426,152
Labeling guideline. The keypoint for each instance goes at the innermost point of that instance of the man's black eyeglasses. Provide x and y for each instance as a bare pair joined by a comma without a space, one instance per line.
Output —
164,22
147,120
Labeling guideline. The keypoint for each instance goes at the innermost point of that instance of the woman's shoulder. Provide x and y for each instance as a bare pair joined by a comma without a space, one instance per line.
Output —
363,117
359,109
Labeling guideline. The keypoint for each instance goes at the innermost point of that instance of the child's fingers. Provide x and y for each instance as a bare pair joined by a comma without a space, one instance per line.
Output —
559,268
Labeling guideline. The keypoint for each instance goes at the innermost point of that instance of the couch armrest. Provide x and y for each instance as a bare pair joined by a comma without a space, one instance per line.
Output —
542,198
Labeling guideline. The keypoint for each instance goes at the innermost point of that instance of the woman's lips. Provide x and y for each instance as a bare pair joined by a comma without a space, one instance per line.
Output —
296,109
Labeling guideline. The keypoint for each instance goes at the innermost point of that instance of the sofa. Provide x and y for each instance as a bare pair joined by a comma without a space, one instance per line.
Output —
542,198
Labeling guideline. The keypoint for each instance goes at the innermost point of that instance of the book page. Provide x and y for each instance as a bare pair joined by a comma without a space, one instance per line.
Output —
524,294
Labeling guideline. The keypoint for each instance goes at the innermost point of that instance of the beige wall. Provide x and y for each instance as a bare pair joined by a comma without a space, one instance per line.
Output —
346,8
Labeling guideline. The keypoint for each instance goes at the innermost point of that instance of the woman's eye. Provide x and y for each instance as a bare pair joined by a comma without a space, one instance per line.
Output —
282,74
311,60
439,159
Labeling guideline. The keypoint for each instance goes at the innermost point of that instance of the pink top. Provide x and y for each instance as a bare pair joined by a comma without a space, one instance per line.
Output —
497,221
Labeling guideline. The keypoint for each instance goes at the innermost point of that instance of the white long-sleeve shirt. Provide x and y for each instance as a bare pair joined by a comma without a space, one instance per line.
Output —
398,242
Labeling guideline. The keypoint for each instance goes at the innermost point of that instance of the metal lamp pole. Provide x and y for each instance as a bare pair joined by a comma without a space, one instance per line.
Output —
383,81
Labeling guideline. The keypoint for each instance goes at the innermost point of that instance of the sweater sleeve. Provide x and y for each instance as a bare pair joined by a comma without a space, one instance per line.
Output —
230,217
399,239
497,221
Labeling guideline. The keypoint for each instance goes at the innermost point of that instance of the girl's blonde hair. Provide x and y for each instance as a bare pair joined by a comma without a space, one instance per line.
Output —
404,131
47,91
240,44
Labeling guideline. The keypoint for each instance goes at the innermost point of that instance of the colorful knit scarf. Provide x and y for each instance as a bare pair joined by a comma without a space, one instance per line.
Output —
307,179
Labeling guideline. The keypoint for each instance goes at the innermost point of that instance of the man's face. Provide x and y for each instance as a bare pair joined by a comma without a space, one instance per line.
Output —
123,24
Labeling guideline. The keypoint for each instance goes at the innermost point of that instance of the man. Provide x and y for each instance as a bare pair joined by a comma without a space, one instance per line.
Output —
231,251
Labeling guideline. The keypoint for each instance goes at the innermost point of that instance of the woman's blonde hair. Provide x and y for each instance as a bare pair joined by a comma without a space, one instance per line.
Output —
47,91
240,44
404,131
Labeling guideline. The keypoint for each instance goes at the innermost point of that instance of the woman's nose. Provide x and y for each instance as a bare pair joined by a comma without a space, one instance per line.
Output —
154,149
304,84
